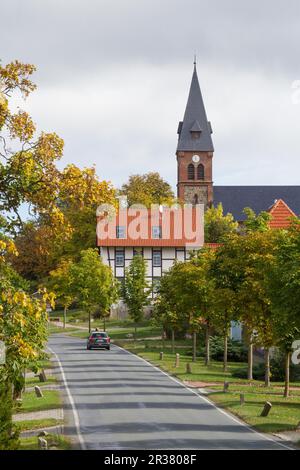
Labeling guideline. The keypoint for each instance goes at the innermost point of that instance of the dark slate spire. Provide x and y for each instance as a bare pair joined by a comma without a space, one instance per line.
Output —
195,131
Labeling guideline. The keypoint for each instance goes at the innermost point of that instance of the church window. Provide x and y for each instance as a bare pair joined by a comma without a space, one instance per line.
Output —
191,172
200,172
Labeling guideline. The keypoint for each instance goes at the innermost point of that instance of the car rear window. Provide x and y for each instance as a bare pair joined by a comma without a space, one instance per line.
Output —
99,335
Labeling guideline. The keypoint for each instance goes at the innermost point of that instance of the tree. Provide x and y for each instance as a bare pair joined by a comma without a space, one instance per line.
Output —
28,174
147,189
217,225
284,286
135,289
167,310
62,284
23,329
227,275
93,282
256,223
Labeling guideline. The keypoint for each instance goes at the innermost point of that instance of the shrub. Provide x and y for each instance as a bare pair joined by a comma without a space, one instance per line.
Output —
9,438
277,367
237,351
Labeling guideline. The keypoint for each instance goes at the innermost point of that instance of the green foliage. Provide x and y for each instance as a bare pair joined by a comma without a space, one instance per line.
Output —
237,351
135,289
277,368
93,281
8,433
147,189
256,223
217,225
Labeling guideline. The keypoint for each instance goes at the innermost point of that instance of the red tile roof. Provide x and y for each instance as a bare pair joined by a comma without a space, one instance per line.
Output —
175,225
281,214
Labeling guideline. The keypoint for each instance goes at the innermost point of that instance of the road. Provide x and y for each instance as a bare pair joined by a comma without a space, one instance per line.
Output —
122,402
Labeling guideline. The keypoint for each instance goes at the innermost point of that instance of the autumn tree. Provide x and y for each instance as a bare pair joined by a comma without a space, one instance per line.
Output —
23,330
62,284
217,225
147,189
28,173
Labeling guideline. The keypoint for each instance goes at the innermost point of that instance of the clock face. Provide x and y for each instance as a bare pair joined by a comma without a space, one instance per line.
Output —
196,158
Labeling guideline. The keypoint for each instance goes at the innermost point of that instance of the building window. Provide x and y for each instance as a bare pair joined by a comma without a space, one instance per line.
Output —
120,257
137,251
195,199
191,172
120,231
155,284
156,231
156,258
200,172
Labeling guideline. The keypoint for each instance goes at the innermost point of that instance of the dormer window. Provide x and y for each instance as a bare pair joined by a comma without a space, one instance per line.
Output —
196,130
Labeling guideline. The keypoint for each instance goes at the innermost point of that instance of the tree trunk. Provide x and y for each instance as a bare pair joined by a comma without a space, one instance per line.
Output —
250,359
267,367
173,342
65,316
207,345
194,346
287,375
225,361
90,328
104,324
163,339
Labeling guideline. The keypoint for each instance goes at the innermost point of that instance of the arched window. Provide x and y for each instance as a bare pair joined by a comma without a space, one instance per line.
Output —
191,172
200,172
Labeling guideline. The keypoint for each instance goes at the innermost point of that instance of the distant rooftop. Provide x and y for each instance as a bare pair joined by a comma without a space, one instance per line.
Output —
260,198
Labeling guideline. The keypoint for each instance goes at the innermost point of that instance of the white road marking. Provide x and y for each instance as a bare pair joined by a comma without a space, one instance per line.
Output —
71,400
264,436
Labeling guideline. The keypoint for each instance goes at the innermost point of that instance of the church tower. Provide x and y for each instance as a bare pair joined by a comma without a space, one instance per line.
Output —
195,150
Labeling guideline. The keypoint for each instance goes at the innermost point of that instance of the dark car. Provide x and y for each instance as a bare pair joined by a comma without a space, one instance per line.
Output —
99,340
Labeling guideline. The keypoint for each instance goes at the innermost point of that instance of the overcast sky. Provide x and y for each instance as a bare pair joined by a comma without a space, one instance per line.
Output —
113,79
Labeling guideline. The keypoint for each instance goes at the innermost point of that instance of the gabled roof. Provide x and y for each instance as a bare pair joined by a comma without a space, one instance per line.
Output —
260,198
195,120
179,228
281,214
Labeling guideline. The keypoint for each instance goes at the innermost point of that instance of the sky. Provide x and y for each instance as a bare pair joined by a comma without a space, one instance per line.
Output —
113,78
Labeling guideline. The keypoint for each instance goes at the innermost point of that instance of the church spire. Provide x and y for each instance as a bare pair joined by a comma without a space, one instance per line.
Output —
195,131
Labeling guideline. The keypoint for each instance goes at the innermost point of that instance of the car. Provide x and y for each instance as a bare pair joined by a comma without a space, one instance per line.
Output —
99,340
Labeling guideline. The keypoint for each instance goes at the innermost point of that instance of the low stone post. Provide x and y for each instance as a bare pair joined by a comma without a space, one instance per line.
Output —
42,376
38,391
266,409
177,360
226,387
188,368
161,356
43,444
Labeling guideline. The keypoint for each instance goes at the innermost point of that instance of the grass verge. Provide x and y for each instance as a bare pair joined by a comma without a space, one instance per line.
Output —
56,442
29,425
31,402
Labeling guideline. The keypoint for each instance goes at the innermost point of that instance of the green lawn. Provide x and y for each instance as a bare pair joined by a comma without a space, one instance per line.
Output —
57,441
50,400
284,415
32,381
37,424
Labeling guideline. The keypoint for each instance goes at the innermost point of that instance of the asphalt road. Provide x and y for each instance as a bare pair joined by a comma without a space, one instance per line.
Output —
122,402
